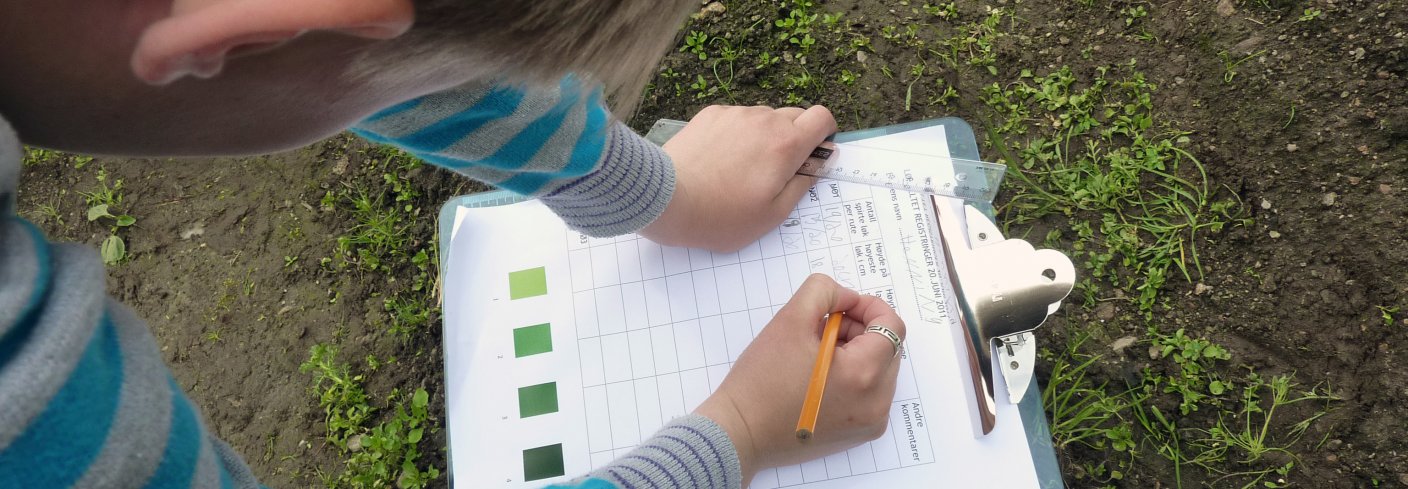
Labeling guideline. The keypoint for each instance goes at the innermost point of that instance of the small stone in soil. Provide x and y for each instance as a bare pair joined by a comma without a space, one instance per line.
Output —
1120,344
1105,311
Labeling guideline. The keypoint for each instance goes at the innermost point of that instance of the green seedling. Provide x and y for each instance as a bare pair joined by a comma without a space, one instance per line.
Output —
384,455
1387,313
1310,14
101,201
1096,156
766,59
1133,13
847,78
1196,382
917,72
946,11
1230,64
796,28
696,42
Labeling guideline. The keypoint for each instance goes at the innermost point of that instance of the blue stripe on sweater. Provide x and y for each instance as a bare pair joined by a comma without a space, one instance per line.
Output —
585,153
57,447
178,461
591,483
19,332
498,103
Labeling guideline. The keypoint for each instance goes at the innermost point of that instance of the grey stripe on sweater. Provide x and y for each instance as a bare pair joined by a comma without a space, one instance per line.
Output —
625,193
689,452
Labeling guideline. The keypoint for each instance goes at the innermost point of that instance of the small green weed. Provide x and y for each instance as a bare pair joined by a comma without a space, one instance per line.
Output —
976,43
1133,14
379,456
1386,313
1085,413
696,42
796,26
1310,14
49,213
36,156
1196,382
847,78
102,202
945,11
1230,64
1137,201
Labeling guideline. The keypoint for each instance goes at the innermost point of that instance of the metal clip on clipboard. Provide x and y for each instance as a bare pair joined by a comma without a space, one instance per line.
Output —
1004,288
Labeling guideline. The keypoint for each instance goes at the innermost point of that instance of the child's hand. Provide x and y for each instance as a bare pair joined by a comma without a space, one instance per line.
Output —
735,174
760,400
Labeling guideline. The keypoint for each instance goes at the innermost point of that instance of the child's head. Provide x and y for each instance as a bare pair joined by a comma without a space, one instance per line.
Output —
197,77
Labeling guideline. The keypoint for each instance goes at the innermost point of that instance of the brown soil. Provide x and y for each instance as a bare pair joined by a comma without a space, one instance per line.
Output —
1297,291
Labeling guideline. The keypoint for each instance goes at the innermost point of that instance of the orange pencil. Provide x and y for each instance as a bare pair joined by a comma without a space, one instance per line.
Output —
806,424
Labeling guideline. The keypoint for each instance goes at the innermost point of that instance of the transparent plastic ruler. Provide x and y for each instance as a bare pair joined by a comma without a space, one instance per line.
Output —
971,180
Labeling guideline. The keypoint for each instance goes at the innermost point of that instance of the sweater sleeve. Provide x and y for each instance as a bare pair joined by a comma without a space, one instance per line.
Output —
558,144
689,452
85,400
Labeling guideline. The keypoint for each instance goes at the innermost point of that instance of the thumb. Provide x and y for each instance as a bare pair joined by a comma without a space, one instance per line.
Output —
818,296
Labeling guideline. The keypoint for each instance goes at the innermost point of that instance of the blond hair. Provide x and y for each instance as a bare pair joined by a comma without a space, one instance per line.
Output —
614,43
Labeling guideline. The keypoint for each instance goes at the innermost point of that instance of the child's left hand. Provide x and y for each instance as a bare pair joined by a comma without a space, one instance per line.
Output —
736,174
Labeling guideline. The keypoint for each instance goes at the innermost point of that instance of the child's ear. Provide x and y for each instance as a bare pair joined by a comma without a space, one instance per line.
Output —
198,35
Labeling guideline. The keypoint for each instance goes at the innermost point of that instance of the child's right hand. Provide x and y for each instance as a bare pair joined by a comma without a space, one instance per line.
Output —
736,174
760,400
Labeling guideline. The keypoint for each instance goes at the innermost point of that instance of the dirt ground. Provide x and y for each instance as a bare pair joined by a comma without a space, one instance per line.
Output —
1310,134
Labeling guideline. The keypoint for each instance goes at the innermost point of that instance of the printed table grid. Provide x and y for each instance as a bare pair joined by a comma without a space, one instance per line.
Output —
633,382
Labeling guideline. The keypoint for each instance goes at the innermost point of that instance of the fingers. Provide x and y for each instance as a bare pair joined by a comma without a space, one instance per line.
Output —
818,296
816,124
871,348
870,311
792,192
790,112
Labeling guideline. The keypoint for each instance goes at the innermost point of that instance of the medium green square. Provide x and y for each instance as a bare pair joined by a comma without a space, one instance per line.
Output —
532,282
532,340
537,399
543,462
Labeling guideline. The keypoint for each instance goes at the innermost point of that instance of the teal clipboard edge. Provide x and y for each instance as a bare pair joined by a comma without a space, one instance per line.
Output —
961,144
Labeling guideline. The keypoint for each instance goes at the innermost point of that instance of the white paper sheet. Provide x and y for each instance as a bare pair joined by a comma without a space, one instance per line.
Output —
642,333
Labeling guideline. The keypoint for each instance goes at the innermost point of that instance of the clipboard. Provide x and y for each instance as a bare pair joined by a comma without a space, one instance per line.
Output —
962,144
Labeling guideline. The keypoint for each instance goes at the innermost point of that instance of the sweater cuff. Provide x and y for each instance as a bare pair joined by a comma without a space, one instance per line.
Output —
629,190
691,451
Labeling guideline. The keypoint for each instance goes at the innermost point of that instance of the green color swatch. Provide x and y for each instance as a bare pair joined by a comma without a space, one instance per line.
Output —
537,399
532,340
543,462
532,282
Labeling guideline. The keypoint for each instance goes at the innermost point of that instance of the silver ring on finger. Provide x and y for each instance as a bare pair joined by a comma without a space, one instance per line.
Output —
888,334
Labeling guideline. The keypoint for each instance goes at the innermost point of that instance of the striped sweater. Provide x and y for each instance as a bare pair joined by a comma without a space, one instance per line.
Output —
552,144
85,400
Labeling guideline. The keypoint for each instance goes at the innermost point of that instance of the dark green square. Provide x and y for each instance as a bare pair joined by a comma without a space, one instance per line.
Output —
532,340
543,462
532,282
537,399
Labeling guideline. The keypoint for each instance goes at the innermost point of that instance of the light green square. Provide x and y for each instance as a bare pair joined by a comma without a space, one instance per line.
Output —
532,282
543,462
537,399
532,340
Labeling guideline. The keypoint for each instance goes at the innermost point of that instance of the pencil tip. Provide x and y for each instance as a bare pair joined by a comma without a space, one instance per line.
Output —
804,434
